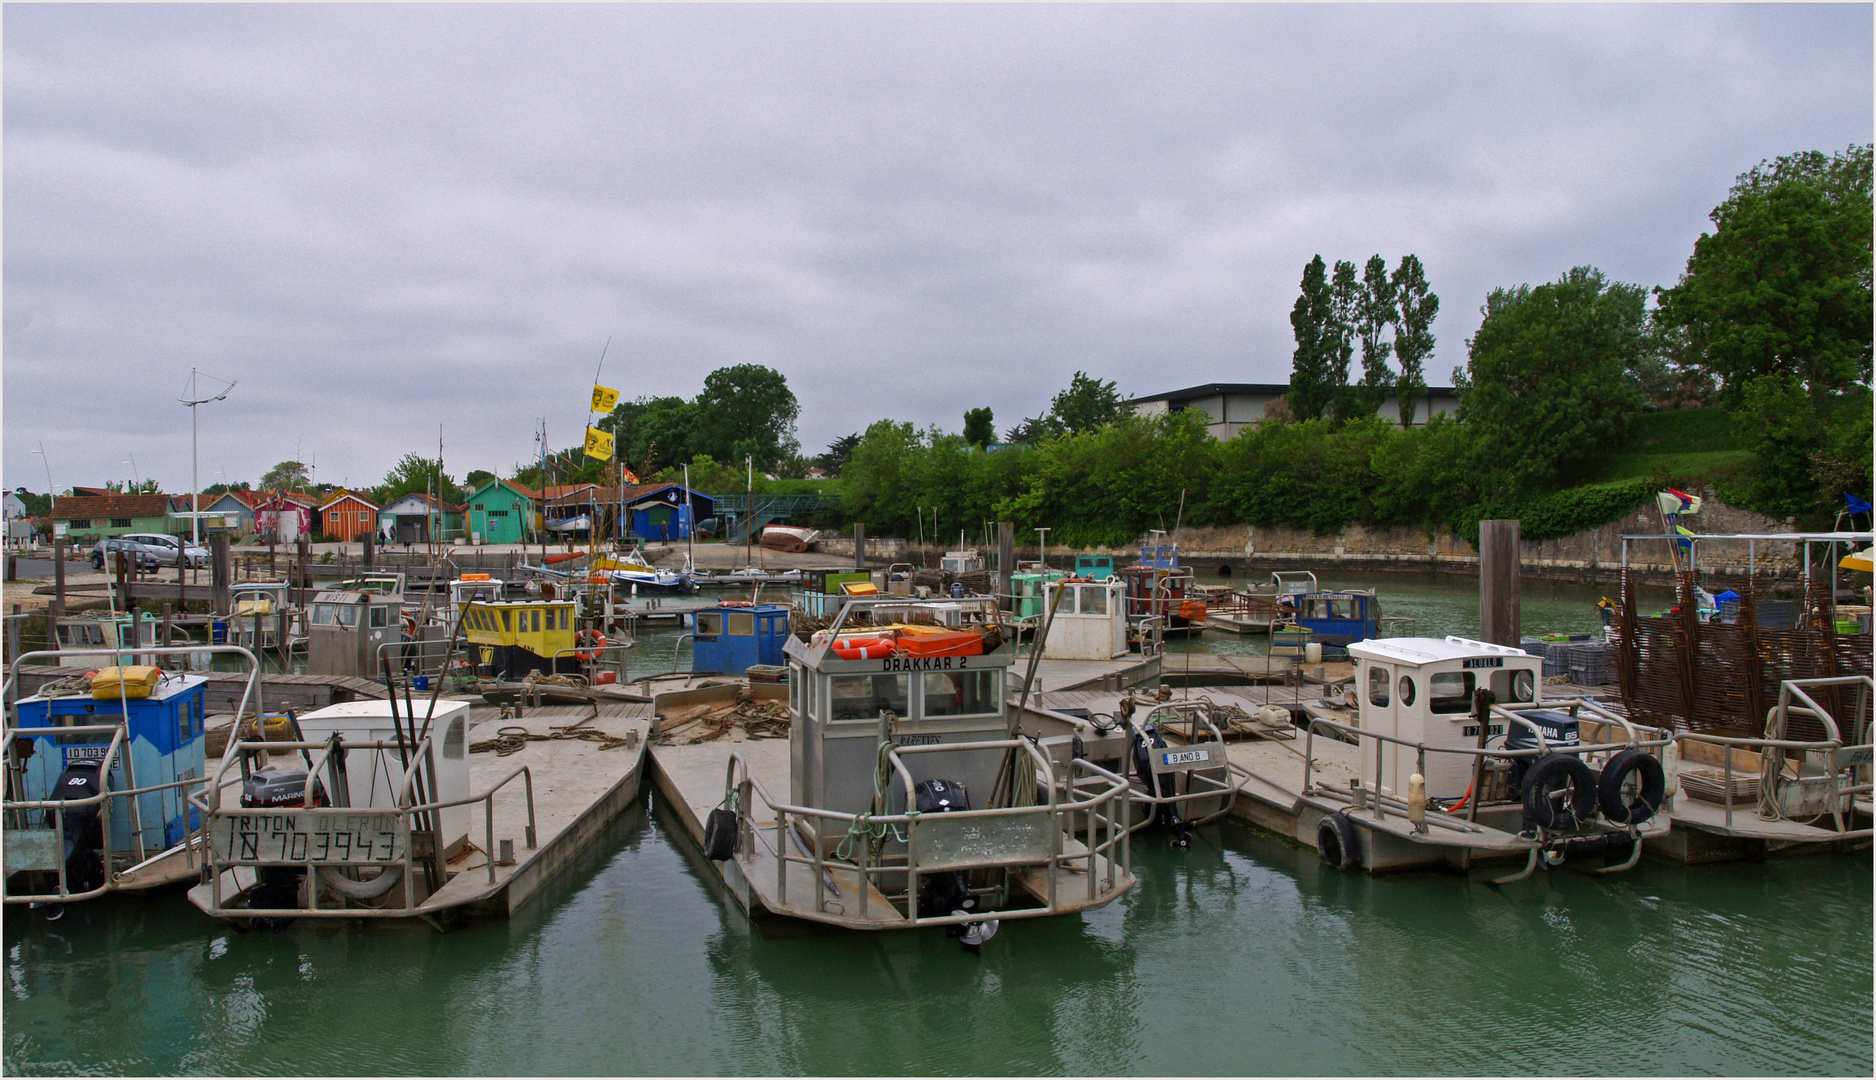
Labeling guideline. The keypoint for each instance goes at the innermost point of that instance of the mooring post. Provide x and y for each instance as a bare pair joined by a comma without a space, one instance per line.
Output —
221,576
169,633
1006,564
366,559
57,610
13,634
859,545
123,577
1499,582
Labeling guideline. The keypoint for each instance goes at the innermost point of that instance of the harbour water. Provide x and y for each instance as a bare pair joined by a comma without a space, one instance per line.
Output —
1240,955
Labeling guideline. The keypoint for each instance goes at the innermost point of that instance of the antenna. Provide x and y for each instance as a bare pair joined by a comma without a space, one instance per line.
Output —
194,397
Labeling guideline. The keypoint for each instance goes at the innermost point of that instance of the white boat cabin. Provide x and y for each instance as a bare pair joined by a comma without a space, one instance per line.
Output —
1090,620
1420,690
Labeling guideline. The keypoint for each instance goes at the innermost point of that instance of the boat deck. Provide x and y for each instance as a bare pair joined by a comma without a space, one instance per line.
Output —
579,788
691,778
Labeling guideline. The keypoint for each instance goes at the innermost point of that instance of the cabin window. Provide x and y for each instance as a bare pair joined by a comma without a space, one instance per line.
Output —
1406,691
507,623
864,697
709,624
564,613
200,708
739,624
536,621
1377,685
1066,604
961,693
1450,692
335,615
379,615
182,723
1093,601
1513,685
453,740
72,720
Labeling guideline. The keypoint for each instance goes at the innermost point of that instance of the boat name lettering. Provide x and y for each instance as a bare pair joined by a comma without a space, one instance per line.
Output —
917,740
922,663
1485,661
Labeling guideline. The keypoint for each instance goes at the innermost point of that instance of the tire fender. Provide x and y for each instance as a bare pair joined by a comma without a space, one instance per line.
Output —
1546,775
1615,775
719,842
1338,842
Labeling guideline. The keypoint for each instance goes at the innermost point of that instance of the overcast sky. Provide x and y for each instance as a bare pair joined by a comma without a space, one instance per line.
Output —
384,219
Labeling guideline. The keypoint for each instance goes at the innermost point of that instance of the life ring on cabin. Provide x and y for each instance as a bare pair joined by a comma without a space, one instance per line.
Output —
590,639
736,603
1616,806
1337,843
863,648
1559,793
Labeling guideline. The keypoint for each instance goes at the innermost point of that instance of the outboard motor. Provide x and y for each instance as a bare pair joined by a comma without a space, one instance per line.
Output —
1166,815
1558,789
277,886
84,826
949,891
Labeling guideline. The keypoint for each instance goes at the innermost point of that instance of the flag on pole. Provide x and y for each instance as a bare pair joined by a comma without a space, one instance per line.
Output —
604,398
598,444
628,475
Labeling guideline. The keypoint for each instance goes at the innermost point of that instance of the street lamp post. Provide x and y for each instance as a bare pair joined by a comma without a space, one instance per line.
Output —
195,456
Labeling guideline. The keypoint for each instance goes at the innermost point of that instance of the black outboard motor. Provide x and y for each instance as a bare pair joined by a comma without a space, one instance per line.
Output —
1560,730
277,886
1166,815
949,891
84,826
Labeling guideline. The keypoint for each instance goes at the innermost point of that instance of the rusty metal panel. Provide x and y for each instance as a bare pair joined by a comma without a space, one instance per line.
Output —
32,849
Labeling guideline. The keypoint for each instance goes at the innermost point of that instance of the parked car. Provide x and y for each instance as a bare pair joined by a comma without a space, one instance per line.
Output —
107,549
169,550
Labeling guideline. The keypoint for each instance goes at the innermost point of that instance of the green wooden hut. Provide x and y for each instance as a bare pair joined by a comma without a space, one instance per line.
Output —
501,512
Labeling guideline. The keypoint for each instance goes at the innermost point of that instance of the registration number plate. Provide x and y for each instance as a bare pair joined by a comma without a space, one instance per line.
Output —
335,836
1185,757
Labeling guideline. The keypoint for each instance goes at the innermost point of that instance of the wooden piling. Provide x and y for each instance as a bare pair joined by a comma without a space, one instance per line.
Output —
1006,562
1499,582
57,608
13,635
221,577
859,545
366,557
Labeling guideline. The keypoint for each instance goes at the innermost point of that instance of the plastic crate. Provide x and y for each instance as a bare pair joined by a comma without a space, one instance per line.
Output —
1586,663
1534,646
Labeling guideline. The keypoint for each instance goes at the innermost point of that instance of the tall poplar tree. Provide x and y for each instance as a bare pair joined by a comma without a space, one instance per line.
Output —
1415,307
1345,298
1310,319
1374,311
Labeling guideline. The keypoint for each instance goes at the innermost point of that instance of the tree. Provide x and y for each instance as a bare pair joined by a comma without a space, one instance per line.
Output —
1414,310
1344,296
652,433
838,451
1086,405
979,428
1374,310
414,472
1311,320
217,489
1782,284
476,478
286,476
1549,374
745,411
1033,430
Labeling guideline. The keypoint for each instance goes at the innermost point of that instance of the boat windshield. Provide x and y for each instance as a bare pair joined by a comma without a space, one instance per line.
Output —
864,697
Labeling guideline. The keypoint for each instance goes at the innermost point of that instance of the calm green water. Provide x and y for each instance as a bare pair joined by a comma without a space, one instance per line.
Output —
1239,956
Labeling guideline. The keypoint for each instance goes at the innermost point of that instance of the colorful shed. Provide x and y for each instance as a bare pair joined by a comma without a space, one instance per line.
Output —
348,516
501,512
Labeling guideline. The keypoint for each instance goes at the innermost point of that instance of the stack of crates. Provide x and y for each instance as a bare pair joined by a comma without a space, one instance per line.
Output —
1587,663
1771,614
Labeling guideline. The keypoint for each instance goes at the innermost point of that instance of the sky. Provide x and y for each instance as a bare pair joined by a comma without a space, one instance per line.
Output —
386,222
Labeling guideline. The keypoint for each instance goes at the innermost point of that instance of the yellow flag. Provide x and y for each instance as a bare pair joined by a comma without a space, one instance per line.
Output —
604,398
598,444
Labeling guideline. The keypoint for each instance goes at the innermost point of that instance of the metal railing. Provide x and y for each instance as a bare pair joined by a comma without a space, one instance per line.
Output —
1794,699
925,836
222,866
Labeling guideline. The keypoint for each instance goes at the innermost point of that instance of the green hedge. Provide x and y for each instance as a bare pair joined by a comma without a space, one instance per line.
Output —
1559,514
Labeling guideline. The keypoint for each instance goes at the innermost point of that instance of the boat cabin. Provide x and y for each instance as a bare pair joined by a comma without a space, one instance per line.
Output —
1339,618
1159,556
373,775
113,630
516,637
163,742
388,584
1420,690
961,562
1096,567
345,628
1090,621
733,636
1027,590
840,686
248,601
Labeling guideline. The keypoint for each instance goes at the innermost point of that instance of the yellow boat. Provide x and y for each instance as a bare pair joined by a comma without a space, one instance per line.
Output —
515,637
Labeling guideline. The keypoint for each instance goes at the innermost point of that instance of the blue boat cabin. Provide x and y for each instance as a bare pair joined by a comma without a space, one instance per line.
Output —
732,637
164,742
1339,618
